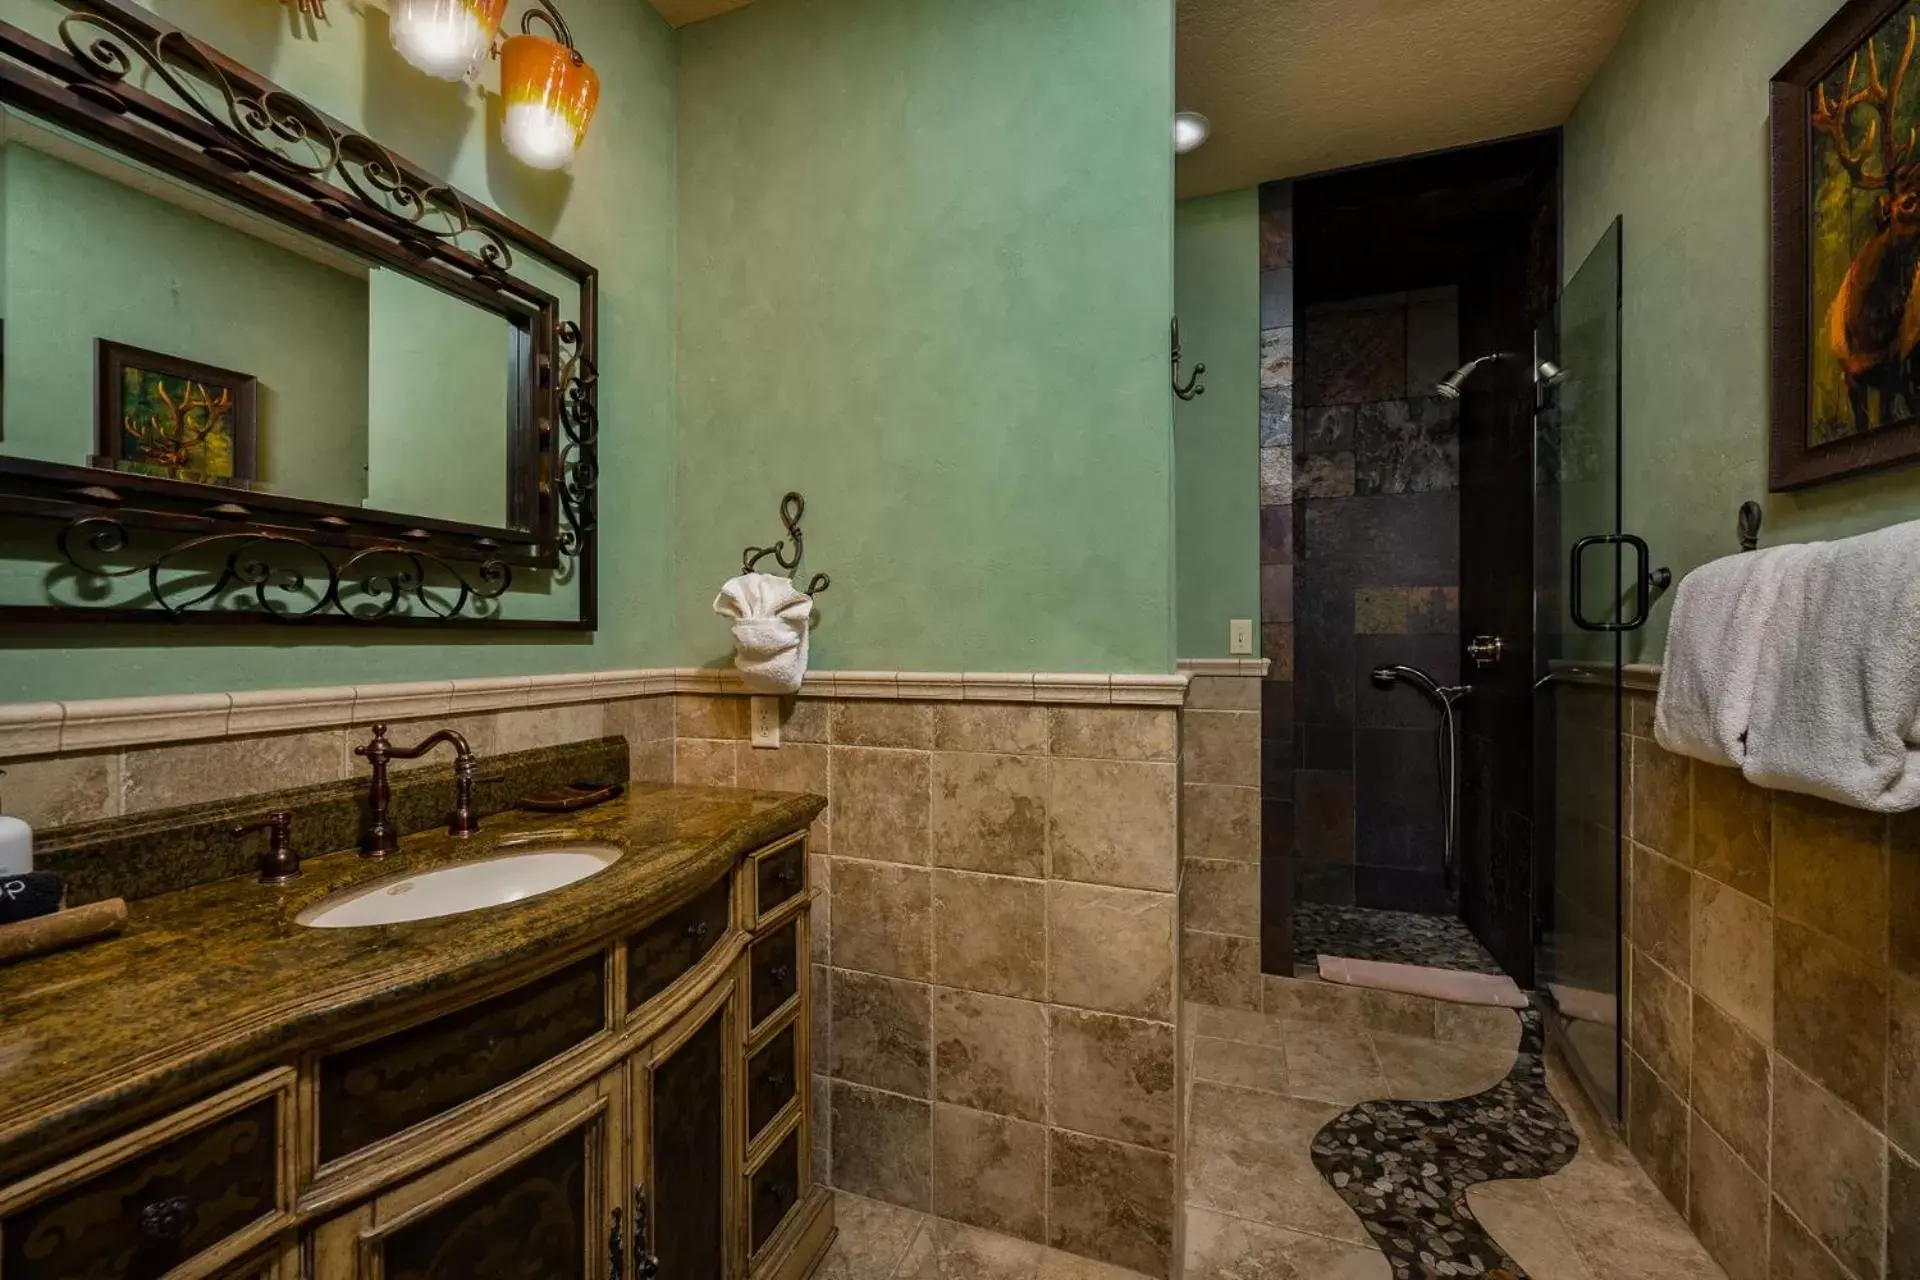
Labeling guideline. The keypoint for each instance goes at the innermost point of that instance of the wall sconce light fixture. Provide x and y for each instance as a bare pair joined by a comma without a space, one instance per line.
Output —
549,90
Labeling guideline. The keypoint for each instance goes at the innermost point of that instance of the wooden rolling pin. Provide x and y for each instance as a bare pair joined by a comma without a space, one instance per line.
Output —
62,929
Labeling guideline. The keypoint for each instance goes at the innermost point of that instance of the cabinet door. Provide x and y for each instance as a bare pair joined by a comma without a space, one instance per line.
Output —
684,1106
541,1201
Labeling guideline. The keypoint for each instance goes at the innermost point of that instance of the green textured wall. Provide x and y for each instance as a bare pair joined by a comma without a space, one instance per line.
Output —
1216,436
926,271
1672,134
616,209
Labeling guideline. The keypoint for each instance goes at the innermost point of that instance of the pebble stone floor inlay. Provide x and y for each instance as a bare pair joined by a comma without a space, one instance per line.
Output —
1399,937
1405,1166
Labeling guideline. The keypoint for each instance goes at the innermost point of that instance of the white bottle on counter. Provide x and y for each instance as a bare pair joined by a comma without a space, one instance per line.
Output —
16,845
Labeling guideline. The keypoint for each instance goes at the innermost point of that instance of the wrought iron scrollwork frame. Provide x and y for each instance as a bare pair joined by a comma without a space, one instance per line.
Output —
126,79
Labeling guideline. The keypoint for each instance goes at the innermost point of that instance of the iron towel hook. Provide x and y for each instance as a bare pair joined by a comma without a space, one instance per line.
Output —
792,507
1193,387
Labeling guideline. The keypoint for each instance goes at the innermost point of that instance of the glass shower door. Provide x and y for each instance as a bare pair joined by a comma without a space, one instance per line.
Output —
1590,588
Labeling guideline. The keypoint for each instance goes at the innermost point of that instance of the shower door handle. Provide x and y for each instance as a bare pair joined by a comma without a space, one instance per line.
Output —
1645,581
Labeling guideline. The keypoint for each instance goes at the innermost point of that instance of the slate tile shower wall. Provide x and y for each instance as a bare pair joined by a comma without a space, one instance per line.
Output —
1772,970
1276,580
995,958
1375,579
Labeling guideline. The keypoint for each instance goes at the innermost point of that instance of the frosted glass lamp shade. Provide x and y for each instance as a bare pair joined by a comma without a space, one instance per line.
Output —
550,97
446,38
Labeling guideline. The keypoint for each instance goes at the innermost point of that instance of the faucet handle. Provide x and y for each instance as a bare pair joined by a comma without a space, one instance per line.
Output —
278,862
376,749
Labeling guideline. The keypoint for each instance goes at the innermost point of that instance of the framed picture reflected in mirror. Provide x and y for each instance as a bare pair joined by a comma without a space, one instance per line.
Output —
162,415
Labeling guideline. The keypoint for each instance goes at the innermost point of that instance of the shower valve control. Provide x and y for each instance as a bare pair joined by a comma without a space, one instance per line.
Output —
1486,651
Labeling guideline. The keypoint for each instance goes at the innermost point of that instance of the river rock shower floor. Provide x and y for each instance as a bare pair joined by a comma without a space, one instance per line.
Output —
1399,937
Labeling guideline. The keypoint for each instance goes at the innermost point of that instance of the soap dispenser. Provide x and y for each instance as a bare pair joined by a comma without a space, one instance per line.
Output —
16,844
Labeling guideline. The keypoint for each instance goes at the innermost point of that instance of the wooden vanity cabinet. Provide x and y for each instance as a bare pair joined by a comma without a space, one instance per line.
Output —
634,1111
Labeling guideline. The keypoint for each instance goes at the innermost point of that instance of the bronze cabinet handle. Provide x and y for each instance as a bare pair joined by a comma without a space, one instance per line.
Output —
645,1265
616,1249
788,876
167,1220
699,930
780,972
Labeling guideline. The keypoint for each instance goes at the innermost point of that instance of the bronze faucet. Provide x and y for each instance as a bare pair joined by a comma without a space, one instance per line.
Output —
278,863
380,839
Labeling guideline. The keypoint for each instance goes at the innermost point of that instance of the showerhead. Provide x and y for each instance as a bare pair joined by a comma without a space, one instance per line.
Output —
1386,677
1548,373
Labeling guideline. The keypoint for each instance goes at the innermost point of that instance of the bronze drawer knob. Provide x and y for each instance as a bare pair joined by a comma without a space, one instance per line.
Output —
167,1220
780,972
699,930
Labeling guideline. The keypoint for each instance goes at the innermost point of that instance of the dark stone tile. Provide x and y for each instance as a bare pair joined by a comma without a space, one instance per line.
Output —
1323,816
1322,883
1398,821
1276,298
1396,889
1406,446
1276,535
1276,234
1276,709
1325,746
1276,593
1327,428
1406,611
1276,643
1276,915
1352,355
1277,759
1408,540
1276,417
1276,829
1401,705
1323,475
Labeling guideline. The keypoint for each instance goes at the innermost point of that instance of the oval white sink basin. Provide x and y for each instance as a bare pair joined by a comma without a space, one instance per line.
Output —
466,886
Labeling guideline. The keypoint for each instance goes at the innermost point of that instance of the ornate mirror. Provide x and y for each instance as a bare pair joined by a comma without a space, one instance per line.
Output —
257,364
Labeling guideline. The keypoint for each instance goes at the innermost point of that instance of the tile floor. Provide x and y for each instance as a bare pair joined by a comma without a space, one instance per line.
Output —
1259,1088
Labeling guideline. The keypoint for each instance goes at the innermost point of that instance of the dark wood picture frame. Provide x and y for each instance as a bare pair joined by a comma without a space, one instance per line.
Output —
202,121
111,360
1794,461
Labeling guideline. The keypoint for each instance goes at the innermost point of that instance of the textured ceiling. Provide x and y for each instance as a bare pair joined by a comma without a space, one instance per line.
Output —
681,12
1300,86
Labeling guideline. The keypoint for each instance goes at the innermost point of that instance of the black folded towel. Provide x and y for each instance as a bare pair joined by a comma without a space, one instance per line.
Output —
26,894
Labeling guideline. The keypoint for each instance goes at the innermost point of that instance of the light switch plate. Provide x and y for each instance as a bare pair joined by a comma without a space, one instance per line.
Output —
764,713
1240,636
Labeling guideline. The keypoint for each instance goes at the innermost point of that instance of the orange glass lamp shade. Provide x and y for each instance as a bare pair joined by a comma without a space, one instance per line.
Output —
446,38
550,95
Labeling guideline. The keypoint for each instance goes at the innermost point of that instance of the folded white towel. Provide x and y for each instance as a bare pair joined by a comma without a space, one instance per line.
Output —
771,620
1837,704
1723,616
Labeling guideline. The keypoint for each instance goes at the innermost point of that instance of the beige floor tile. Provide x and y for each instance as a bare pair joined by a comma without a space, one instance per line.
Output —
1622,1226
1249,1154
873,1238
1521,1217
1236,1024
949,1251
1431,1070
1225,1248
1332,1064
1247,1066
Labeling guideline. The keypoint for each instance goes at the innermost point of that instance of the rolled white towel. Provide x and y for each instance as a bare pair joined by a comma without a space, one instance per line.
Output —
1836,712
771,621
1722,619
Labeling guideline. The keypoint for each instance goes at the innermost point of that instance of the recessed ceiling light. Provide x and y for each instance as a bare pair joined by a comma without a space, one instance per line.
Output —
1190,129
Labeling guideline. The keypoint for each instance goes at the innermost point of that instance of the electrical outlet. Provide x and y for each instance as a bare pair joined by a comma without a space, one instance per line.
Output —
1240,636
765,716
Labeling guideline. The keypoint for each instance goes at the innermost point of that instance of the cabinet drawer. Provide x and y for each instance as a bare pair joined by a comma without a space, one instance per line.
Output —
773,976
773,1190
779,876
375,1090
206,1183
771,1081
675,943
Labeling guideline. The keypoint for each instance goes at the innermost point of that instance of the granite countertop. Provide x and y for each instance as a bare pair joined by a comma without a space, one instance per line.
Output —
210,983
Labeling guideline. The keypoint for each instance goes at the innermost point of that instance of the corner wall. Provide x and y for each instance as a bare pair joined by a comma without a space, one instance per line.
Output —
926,265
1216,436
1673,135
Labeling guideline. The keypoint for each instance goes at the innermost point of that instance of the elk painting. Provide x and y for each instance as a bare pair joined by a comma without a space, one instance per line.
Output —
162,415
1846,247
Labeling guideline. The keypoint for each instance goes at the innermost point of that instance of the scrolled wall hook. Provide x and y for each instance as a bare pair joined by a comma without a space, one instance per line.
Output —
792,507
1192,387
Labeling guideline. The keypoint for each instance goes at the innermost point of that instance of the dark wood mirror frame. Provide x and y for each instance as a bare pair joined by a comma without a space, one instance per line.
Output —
227,130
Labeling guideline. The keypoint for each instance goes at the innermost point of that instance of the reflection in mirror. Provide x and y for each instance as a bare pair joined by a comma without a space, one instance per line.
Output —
154,328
